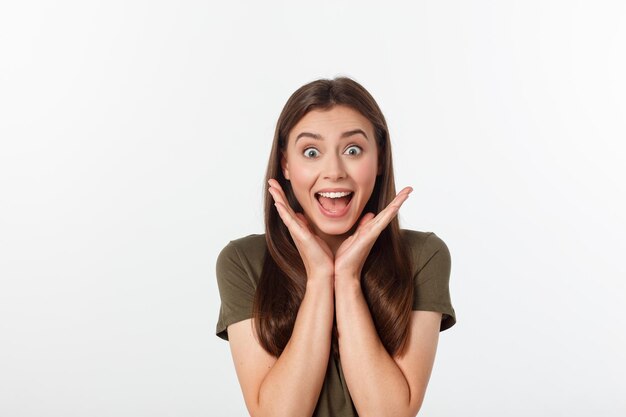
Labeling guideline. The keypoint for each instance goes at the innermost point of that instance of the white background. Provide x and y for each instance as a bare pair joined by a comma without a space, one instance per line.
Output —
134,140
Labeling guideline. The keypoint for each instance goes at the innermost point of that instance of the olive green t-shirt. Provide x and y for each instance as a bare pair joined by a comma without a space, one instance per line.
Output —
239,267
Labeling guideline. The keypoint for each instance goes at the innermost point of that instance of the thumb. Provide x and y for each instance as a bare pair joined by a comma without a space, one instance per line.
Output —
302,218
367,217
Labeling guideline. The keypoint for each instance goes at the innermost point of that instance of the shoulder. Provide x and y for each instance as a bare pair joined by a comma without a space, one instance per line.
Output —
242,255
416,237
249,243
424,245
238,269
431,275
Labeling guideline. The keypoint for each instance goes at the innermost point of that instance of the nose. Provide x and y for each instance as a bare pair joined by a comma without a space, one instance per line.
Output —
333,168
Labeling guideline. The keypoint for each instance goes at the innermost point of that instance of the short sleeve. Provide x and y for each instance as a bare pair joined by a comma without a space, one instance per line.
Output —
236,289
431,281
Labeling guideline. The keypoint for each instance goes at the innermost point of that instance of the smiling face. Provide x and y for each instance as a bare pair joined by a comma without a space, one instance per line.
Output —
332,152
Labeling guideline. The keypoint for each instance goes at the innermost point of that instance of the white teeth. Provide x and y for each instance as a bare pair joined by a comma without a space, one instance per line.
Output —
335,195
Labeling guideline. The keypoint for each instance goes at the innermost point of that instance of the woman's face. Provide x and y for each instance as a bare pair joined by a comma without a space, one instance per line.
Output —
332,152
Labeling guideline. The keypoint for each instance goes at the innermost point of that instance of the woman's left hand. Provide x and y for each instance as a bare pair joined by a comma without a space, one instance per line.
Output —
351,255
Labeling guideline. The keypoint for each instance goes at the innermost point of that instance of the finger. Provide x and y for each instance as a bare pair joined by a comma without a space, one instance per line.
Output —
394,206
366,218
303,221
388,213
303,218
297,225
289,220
279,195
398,200
289,216
273,183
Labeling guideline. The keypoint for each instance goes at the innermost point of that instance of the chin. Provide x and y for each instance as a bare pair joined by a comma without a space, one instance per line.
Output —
335,229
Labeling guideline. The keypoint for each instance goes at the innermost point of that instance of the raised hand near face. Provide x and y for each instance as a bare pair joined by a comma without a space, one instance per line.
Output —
351,255
315,253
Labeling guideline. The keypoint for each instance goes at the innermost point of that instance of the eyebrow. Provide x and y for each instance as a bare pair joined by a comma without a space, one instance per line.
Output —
343,135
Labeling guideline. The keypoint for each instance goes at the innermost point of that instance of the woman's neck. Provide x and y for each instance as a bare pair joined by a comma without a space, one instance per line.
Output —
334,241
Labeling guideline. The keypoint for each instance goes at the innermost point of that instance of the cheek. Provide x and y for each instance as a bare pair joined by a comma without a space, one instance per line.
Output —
302,176
302,180
365,174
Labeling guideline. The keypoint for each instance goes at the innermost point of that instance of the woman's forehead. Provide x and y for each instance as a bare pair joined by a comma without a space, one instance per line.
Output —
333,121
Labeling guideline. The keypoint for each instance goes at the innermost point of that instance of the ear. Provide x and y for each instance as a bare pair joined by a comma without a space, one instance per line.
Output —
284,165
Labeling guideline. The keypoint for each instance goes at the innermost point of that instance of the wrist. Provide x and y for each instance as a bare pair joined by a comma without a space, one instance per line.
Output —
349,281
319,279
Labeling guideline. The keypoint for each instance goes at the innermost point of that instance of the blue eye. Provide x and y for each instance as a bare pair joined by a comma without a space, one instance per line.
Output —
354,150
311,153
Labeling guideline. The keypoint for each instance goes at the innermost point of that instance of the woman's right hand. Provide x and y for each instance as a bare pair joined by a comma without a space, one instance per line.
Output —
317,257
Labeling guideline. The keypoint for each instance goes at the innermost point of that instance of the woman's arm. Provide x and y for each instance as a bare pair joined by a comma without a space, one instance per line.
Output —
290,385
379,384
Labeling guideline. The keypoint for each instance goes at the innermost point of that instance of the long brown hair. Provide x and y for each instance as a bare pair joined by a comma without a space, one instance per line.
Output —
386,278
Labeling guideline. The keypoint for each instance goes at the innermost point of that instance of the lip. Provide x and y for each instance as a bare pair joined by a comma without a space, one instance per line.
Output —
334,190
334,214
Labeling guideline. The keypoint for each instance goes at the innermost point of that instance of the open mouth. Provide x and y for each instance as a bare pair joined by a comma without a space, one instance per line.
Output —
334,203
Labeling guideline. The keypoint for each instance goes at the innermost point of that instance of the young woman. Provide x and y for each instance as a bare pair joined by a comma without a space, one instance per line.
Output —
334,311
